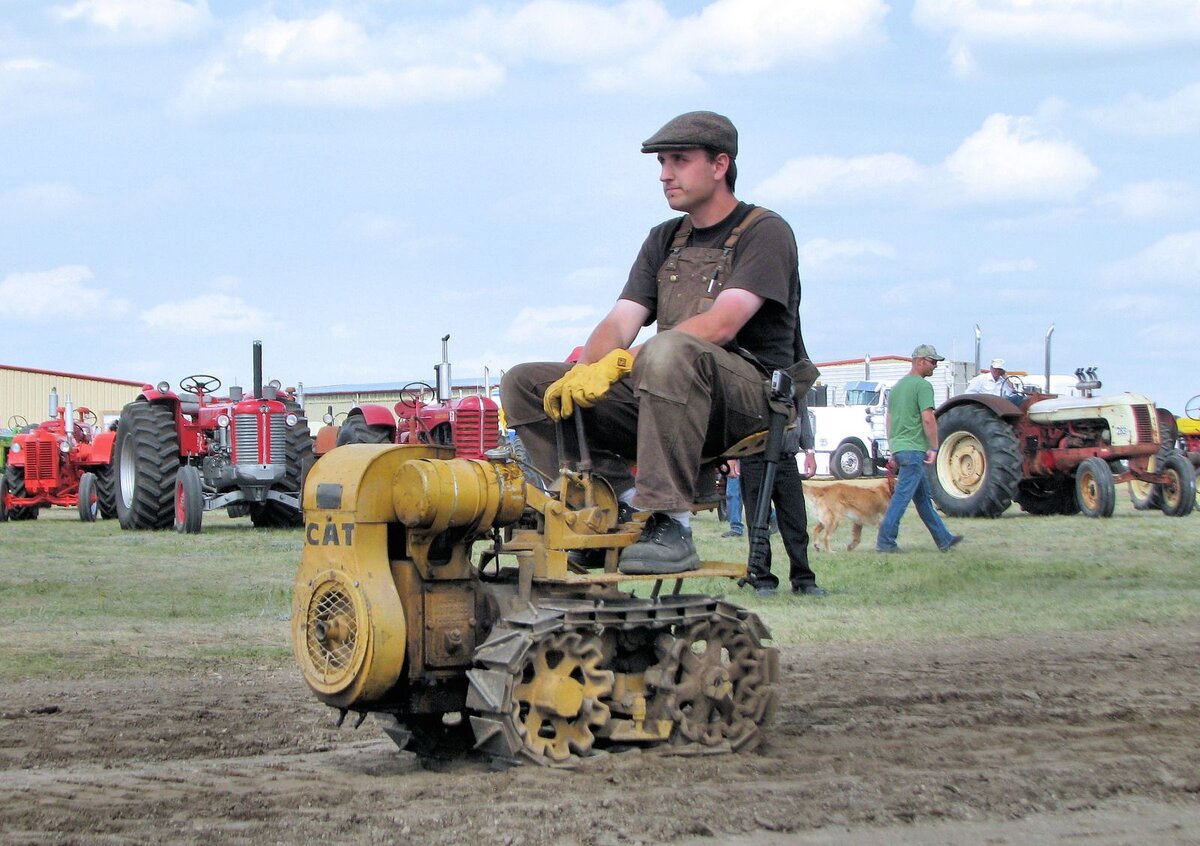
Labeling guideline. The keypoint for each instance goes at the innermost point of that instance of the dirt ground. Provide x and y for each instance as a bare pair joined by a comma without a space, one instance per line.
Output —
1050,739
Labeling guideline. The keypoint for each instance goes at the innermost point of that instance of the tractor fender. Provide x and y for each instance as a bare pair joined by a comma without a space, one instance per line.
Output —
374,415
102,448
1002,408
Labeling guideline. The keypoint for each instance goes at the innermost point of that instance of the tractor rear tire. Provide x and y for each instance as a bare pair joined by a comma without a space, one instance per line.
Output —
1095,490
978,467
847,461
189,500
272,514
145,461
356,430
1178,496
106,491
89,498
1047,497
15,478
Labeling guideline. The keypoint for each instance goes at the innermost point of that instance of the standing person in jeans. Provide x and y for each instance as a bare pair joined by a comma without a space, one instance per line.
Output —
733,500
790,513
913,438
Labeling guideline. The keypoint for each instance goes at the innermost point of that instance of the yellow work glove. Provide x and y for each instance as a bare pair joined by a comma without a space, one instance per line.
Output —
583,384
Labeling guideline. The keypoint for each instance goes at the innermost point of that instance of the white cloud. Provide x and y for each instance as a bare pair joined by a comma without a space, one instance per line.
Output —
832,178
331,58
1174,258
912,294
552,326
820,251
141,20
42,198
209,314
1057,25
1025,265
1150,199
1007,159
1176,114
56,295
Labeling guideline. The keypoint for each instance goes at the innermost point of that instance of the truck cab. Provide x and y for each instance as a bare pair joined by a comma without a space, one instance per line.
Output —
851,435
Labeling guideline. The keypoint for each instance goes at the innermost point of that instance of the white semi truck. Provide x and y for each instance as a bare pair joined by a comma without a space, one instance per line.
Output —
851,437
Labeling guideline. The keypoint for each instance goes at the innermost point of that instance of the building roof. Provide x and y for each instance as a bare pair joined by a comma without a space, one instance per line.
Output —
41,372
391,387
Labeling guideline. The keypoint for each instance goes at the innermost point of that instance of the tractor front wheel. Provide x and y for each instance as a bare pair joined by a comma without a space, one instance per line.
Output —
978,465
146,459
189,500
1177,497
89,500
1095,490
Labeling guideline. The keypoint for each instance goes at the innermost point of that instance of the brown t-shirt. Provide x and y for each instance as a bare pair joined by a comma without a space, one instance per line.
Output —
765,263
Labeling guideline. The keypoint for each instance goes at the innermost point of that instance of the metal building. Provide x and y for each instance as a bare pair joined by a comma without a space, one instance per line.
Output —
25,393
950,377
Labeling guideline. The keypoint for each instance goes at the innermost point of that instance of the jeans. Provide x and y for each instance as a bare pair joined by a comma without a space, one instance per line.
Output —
911,486
733,504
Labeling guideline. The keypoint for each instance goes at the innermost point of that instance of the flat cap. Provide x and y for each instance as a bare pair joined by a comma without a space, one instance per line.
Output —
927,351
695,129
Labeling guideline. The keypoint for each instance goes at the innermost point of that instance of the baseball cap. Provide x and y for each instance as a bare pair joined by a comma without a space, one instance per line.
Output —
695,129
927,351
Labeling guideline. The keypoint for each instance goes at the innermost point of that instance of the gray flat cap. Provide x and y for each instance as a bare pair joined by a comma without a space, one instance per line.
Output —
695,129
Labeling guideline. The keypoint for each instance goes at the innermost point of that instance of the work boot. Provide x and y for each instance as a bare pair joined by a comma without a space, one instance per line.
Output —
665,547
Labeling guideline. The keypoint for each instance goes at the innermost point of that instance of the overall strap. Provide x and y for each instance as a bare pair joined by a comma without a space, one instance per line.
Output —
749,220
682,234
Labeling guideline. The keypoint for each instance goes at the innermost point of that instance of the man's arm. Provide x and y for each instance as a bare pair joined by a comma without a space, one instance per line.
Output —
929,424
616,331
729,313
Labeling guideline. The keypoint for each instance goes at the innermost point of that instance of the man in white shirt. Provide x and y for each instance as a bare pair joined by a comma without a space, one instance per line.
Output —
992,381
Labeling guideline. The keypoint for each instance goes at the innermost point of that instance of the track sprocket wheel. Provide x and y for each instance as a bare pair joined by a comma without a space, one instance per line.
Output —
717,684
557,690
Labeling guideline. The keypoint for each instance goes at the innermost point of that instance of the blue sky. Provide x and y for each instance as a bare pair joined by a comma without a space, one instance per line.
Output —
349,181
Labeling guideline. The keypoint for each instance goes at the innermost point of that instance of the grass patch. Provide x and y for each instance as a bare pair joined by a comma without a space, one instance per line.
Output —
82,598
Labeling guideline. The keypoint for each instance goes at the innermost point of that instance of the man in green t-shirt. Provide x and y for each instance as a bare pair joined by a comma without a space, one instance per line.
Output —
913,439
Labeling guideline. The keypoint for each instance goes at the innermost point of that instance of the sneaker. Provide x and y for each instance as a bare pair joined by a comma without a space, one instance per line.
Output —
732,533
665,547
955,540
887,549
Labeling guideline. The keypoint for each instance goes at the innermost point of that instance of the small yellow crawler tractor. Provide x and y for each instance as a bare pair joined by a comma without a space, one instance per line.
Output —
472,608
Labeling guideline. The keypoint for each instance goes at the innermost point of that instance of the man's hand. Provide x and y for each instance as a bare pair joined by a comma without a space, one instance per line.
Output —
583,384
810,464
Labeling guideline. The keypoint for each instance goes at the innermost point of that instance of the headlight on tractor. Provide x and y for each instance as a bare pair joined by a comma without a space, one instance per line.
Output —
291,419
223,421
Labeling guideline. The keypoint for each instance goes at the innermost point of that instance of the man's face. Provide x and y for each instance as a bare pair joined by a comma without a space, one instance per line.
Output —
689,179
998,373
926,366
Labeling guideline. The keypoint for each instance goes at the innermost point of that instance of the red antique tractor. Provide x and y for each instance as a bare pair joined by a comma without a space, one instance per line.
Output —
64,461
181,454
470,425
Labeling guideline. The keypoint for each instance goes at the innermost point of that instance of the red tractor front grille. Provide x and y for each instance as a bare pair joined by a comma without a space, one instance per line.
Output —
253,432
1143,422
476,429
40,465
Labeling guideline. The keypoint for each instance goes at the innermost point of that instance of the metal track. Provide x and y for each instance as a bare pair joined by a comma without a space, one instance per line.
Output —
542,685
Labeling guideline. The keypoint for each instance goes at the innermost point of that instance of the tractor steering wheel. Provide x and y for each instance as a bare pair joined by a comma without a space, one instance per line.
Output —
410,394
199,384
18,422
1015,384
87,416
1192,409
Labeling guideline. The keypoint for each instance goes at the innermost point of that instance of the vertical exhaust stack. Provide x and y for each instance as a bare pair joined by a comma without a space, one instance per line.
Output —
1049,332
258,370
53,404
978,361
442,372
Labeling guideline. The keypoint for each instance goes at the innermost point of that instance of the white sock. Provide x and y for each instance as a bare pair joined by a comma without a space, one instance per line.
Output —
627,496
684,517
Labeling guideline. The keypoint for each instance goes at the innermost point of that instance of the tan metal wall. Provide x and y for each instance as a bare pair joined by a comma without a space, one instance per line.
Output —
317,402
26,392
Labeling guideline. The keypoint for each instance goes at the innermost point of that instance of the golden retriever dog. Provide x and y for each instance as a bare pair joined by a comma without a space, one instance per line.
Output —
832,503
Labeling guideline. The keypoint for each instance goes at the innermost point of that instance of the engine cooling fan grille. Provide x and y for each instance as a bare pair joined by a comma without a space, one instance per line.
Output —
332,631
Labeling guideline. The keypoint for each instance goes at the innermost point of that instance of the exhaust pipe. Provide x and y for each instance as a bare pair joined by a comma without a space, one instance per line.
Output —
1049,332
442,373
53,404
258,370
978,362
